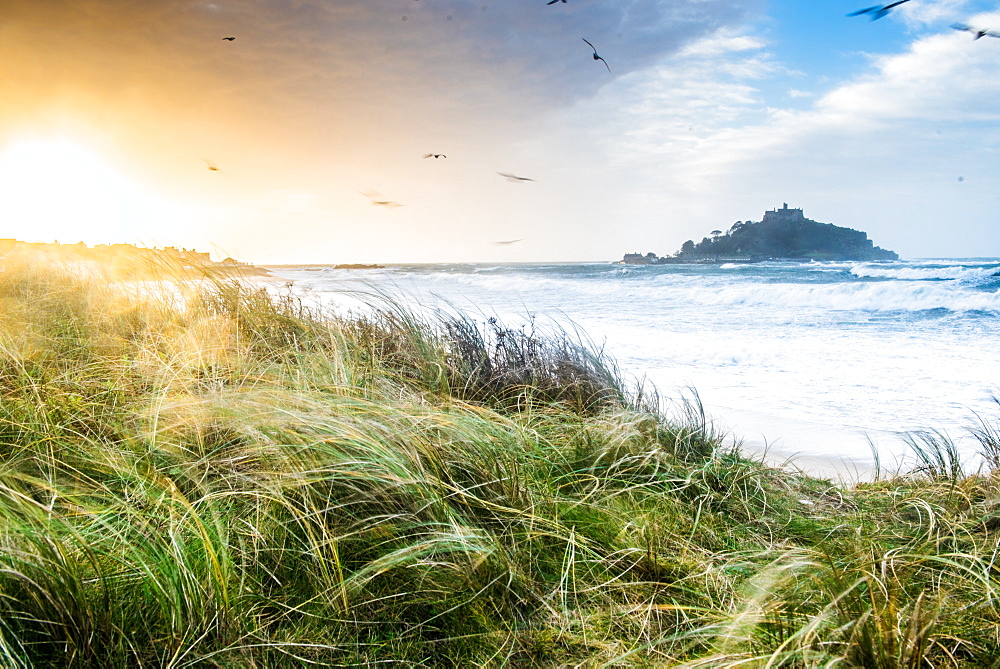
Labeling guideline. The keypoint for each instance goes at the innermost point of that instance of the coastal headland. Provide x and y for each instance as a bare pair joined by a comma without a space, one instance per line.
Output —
128,258
358,265
782,234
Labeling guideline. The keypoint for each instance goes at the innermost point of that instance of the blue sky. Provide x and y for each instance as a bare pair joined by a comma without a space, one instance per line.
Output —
819,39
714,111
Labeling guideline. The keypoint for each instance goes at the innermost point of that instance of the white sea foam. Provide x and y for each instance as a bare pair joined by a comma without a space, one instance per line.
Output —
657,292
842,297
853,348
924,273
817,266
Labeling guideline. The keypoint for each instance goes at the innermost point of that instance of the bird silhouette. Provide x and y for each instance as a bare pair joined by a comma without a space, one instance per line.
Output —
877,11
976,32
552,2
513,178
378,200
507,242
211,166
434,155
596,57
229,39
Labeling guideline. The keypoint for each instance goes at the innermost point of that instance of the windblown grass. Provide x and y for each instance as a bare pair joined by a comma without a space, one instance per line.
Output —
210,473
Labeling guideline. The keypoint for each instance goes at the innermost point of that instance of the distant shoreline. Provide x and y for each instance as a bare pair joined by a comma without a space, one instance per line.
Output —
742,261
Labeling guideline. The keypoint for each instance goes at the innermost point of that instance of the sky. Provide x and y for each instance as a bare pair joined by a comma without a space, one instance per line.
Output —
128,121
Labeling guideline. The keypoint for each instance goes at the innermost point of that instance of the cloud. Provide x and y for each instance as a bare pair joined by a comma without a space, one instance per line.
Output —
725,42
932,12
941,78
354,67
707,88
796,94
517,47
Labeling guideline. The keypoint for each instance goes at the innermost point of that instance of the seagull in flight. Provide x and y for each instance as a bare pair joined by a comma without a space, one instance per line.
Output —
513,178
596,57
878,11
229,39
976,32
507,242
211,166
378,200
552,2
434,155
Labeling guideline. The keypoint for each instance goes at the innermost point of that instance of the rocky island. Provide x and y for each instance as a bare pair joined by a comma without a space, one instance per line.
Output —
784,234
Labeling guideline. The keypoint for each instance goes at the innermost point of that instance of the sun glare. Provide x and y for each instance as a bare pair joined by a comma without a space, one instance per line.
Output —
57,190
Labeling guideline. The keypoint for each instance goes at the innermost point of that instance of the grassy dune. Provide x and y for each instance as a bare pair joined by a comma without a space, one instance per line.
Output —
203,473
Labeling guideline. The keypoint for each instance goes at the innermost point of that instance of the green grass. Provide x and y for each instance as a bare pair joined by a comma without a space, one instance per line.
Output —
203,472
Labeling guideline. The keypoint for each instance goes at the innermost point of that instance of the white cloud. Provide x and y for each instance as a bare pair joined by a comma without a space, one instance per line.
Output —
926,13
942,78
724,42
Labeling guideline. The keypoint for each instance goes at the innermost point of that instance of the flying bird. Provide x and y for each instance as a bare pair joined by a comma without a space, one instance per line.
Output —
377,199
434,155
596,57
513,178
211,165
229,39
976,32
552,2
506,242
877,11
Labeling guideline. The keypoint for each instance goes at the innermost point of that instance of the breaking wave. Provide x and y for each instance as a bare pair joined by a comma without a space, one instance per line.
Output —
950,272
941,287
871,296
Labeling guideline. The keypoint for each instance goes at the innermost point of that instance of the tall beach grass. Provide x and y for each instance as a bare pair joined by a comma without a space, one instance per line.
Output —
208,472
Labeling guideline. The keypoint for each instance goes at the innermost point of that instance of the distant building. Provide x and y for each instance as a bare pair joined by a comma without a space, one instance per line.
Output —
639,259
784,214
184,255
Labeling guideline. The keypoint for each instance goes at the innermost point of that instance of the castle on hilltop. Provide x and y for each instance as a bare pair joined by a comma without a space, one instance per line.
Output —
784,215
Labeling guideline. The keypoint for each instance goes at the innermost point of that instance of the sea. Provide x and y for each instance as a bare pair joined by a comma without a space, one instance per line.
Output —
824,366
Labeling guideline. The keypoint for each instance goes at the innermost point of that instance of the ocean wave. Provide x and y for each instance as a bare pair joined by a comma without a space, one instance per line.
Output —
658,292
878,296
821,265
949,272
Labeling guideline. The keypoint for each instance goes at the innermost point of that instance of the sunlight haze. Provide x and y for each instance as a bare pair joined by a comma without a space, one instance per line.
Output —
114,113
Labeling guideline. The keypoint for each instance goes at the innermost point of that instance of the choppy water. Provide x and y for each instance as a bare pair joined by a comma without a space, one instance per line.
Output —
813,358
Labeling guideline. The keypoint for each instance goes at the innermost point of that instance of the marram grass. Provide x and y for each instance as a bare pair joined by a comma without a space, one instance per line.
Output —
208,473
